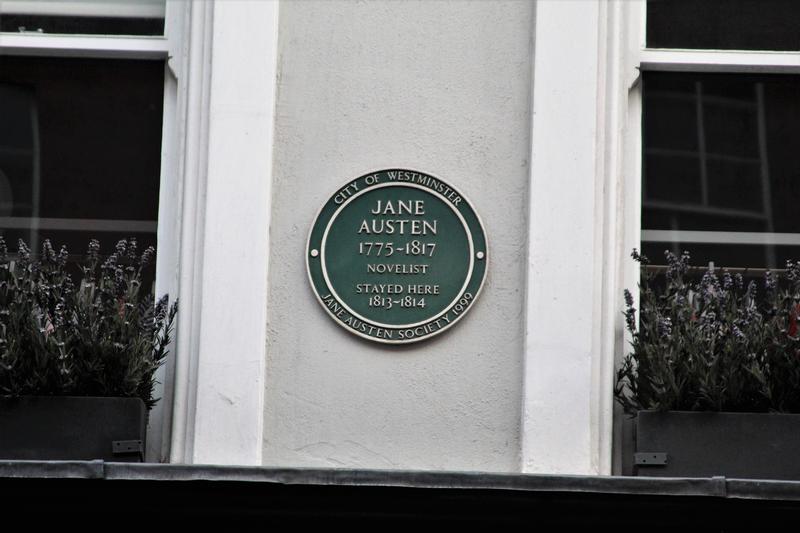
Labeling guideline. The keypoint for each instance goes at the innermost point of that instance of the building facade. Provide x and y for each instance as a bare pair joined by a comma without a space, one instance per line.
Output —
537,112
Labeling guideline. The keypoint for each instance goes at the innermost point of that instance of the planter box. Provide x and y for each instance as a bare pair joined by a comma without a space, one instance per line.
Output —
72,428
706,444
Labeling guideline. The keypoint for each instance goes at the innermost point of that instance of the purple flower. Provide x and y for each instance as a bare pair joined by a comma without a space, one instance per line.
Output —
727,280
770,284
63,256
132,249
664,327
751,290
147,256
628,298
94,250
630,319
685,260
708,320
23,251
639,258
48,253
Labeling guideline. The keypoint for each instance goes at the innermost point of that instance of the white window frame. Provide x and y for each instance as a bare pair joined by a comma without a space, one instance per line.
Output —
129,47
86,8
585,218
213,221
639,58
716,61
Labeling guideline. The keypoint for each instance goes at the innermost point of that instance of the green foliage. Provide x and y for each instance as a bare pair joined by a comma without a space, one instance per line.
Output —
105,336
713,344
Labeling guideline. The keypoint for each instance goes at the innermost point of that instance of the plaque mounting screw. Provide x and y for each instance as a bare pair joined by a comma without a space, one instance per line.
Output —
479,255
314,252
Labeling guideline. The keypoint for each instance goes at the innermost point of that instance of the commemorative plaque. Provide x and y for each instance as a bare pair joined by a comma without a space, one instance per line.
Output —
397,256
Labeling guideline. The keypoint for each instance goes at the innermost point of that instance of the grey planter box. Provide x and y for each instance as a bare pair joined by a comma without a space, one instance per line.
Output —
72,428
705,444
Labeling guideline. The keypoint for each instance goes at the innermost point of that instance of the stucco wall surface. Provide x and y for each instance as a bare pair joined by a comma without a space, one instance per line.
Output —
441,87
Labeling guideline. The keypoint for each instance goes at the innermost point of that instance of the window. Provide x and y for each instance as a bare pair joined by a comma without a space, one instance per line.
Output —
88,107
80,142
723,25
707,125
80,150
720,131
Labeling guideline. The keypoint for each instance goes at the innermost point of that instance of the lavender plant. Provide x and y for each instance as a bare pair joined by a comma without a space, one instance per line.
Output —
716,344
102,336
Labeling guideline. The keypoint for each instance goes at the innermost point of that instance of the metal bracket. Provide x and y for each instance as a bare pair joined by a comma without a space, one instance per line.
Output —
126,447
650,459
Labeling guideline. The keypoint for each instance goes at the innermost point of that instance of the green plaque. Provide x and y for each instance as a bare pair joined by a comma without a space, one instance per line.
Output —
397,256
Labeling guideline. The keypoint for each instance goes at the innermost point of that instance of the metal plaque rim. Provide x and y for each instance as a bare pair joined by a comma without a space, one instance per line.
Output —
455,320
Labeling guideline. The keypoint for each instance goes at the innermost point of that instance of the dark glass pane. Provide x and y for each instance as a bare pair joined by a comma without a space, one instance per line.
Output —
90,17
80,150
735,184
673,122
666,217
724,24
731,126
82,25
674,177
739,174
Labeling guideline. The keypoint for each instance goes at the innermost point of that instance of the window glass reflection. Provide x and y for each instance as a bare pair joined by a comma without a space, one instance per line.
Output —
724,24
721,171
80,150
88,17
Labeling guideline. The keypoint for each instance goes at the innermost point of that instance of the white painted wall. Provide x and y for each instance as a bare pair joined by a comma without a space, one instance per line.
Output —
443,87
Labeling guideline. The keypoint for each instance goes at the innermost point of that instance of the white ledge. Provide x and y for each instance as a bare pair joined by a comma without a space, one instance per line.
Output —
40,44
721,237
719,61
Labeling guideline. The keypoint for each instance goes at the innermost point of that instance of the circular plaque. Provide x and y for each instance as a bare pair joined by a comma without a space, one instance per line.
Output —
397,256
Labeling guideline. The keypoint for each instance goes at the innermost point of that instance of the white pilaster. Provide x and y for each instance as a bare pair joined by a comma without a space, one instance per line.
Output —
560,428
219,378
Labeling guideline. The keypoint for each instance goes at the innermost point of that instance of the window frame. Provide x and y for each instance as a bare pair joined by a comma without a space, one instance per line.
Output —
635,59
705,61
90,46
167,47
